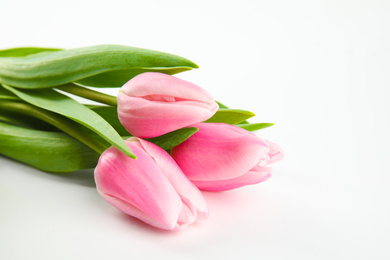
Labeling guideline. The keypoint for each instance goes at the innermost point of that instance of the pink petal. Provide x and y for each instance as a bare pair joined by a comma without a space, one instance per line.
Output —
190,195
133,211
254,176
218,152
160,84
145,119
138,184
276,153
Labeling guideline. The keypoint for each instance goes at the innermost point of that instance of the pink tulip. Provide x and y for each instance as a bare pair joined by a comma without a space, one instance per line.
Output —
152,104
222,157
151,188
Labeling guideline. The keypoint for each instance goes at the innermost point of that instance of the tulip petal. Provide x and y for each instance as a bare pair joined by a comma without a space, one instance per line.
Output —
152,104
276,153
186,216
133,211
156,84
190,195
139,183
254,176
218,152
144,118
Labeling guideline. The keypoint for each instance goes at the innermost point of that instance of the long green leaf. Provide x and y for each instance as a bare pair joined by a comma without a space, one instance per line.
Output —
54,101
48,69
72,128
47,151
230,116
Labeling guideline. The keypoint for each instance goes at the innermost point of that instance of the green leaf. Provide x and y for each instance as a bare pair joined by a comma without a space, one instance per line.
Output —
72,128
173,138
255,126
48,69
47,151
230,116
51,100
24,51
223,106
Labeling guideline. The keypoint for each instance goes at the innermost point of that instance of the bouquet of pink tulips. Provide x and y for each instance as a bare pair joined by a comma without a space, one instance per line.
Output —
153,147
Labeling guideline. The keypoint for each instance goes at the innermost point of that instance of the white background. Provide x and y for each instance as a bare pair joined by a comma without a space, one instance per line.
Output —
319,70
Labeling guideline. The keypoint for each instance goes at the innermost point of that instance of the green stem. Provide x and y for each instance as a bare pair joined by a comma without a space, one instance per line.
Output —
68,126
89,94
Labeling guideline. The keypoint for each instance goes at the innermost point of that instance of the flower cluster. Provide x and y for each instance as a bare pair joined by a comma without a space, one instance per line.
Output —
182,140
161,188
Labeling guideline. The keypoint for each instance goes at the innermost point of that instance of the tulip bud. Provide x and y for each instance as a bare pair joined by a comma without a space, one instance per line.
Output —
151,188
152,104
222,157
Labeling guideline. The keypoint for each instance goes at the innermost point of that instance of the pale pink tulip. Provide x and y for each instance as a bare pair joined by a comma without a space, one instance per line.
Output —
151,188
222,157
152,104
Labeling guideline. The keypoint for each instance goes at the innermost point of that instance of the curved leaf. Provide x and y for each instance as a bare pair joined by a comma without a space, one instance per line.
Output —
47,151
48,69
72,128
51,100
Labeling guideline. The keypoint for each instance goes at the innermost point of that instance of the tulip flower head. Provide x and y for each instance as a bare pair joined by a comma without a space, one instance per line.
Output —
222,157
153,104
151,188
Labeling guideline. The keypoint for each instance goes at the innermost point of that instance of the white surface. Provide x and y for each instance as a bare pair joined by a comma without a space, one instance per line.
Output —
318,69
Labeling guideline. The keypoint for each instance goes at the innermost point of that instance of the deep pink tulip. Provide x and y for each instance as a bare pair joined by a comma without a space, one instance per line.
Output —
151,188
223,157
152,104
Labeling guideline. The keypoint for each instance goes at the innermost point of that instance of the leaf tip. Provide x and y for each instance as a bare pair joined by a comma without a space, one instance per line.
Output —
131,155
